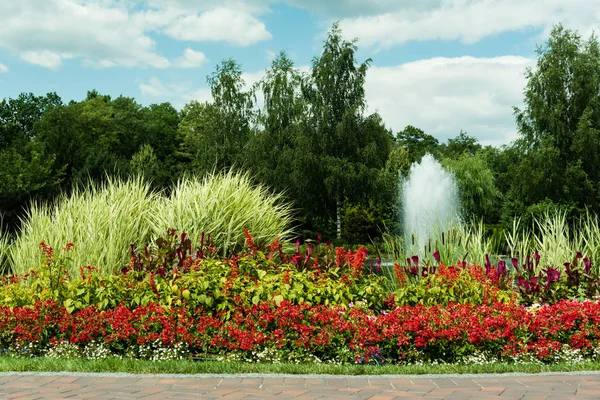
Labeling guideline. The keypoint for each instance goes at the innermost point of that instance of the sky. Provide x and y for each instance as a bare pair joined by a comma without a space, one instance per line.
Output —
440,65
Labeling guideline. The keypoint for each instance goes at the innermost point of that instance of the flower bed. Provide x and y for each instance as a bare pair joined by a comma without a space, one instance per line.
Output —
174,302
270,332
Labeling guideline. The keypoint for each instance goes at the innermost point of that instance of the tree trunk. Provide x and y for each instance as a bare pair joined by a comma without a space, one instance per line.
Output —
338,204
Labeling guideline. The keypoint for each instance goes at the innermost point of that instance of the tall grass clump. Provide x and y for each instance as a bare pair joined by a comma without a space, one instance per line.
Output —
465,242
102,220
223,205
556,238
4,250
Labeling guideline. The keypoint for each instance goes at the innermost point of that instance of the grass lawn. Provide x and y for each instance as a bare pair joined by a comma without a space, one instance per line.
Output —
8,364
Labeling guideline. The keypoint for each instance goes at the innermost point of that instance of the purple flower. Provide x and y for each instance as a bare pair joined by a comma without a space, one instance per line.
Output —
501,268
553,275
515,263
415,260
588,265
436,256
488,264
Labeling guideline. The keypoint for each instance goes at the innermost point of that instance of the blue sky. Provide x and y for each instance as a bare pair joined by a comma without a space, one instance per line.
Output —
440,65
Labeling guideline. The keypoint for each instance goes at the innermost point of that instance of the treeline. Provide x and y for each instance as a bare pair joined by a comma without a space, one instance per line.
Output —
313,140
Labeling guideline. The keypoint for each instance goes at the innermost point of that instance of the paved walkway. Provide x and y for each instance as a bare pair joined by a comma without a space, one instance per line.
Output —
256,386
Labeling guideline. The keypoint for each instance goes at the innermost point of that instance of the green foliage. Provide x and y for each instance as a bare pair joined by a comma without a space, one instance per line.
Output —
461,242
103,219
173,273
556,237
417,143
479,196
344,150
462,144
222,206
4,250
451,284
145,163
559,124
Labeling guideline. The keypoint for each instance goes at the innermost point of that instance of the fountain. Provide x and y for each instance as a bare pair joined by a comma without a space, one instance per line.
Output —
429,202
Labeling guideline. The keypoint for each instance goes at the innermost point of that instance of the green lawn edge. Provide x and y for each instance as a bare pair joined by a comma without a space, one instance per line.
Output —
115,365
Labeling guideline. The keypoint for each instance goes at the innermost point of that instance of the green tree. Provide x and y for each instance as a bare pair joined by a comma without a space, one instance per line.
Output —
200,137
461,144
235,110
25,170
417,142
479,197
559,125
350,149
271,151
145,163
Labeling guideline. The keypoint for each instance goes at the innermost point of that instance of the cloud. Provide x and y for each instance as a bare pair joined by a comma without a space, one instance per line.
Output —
3,68
445,95
220,24
119,33
191,59
354,8
468,21
154,88
44,58
45,32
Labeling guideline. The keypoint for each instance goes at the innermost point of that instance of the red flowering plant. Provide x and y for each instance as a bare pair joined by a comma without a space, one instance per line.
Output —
434,284
267,331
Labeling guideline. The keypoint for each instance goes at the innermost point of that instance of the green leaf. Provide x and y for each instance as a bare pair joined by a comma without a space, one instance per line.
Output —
278,299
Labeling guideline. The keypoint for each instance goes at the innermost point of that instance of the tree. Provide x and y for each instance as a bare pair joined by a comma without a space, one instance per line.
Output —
339,135
272,150
199,134
461,144
234,106
479,197
25,171
417,142
145,163
559,125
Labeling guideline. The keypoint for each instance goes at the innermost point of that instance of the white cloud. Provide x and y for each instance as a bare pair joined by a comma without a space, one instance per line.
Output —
468,21
270,55
3,68
191,59
201,95
44,58
110,33
103,33
220,24
353,8
154,88
444,95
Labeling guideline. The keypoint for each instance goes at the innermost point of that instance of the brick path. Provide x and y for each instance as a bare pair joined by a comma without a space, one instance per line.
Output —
124,386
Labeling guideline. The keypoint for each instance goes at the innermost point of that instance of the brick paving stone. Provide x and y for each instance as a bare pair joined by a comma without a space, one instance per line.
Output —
44,387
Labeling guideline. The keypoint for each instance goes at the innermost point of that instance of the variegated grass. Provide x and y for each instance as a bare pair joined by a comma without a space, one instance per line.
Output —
103,220
223,205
